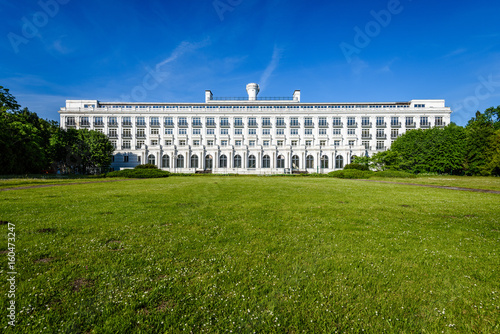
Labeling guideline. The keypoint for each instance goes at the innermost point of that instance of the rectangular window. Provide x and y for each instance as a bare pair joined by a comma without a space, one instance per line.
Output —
252,121
336,131
280,131
409,121
308,121
294,131
380,134
210,121
84,121
295,142
322,142
237,143
197,121
140,121
182,142
127,133
424,121
251,143
98,121
210,131
154,142
309,142
280,142
351,132
308,131
322,121
380,145
336,121
365,121
351,121
365,133
224,131
238,121
266,142
196,142
238,131
155,121
113,143
224,121
394,121
155,131
322,131
252,131
266,121
294,121
111,121
183,131
223,143
169,121
280,121
266,131
196,131
438,121
380,121
126,144
169,131
126,121
210,143
139,144
351,142
168,142
336,143
366,144
141,133
70,121
394,133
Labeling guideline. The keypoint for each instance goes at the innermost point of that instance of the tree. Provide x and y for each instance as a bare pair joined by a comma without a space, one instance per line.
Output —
479,129
492,166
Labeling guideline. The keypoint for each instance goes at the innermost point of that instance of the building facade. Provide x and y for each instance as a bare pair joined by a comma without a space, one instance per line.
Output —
250,135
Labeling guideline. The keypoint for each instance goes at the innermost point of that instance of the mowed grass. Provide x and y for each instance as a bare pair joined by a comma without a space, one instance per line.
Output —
253,254
474,182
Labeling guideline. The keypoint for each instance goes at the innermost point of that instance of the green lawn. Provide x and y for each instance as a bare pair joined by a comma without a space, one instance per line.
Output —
245,254
476,182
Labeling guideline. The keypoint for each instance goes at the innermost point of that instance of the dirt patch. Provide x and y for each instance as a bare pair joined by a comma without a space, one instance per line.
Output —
167,304
45,260
113,242
46,230
143,311
434,186
81,283
4,252
405,205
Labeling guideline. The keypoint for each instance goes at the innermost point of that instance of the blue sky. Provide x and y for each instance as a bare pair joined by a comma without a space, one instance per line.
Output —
172,51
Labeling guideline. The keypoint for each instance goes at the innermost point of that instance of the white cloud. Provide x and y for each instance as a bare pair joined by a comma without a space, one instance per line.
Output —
270,67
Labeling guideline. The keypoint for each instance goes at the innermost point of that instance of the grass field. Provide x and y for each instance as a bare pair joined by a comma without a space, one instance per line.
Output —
253,254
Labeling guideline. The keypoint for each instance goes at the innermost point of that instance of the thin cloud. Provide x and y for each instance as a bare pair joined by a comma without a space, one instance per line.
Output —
454,53
181,49
270,68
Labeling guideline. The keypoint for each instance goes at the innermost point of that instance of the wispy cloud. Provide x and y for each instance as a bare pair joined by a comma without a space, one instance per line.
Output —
454,53
270,67
387,67
181,49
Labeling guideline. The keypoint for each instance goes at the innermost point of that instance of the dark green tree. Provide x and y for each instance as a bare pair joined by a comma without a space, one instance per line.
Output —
479,129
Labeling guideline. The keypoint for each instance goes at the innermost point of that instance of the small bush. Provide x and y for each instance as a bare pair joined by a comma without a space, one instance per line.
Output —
351,174
356,166
146,166
394,173
138,173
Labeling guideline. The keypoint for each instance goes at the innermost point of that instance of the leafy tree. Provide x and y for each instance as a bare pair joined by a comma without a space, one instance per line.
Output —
479,129
492,166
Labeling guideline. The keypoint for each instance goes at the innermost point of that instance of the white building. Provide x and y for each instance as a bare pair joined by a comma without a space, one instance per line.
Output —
250,135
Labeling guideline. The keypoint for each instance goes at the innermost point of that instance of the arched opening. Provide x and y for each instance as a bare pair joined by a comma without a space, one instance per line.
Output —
280,162
180,161
266,161
309,161
209,162
237,161
295,162
151,159
339,162
223,161
194,161
165,161
251,161
324,161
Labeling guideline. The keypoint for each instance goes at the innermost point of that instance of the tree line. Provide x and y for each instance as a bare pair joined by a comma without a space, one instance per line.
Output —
470,150
32,145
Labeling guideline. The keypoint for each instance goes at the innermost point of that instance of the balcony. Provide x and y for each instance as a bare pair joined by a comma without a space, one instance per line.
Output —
425,125
338,125
196,124
141,124
352,124
410,125
281,125
323,124
266,124
253,124
396,125
99,124
180,124
210,125
225,125
169,124
440,125
126,135
141,135
381,124
113,124
366,136
239,125
295,125
381,136
70,124
84,124
366,125
126,123
112,135
380,148
309,125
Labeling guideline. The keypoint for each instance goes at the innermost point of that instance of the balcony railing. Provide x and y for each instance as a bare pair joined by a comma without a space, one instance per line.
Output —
381,124
338,125
352,125
411,125
141,124
141,135
323,124
366,125
126,123
113,124
126,135
425,125
381,136
98,123
169,124
395,125
84,124
366,136
280,125
112,135
309,125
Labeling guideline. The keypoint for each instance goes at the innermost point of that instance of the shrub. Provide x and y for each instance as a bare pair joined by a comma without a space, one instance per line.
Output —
351,174
356,166
394,173
138,173
146,166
